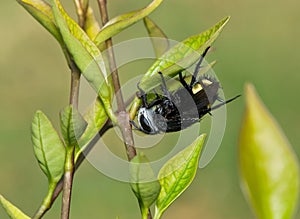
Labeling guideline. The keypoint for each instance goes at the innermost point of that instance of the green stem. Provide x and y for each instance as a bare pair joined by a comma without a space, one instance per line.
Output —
68,182
47,202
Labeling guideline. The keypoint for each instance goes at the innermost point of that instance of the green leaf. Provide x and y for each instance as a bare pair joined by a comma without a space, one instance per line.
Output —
182,55
143,183
72,125
42,12
96,117
11,210
85,54
269,169
121,22
159,40
48,147
91,25
177,174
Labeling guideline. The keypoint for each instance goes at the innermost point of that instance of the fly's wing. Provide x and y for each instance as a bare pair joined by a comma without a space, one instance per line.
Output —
179,123
173,119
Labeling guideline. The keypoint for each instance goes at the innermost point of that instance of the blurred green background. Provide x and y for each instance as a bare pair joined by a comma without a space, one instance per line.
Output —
259,45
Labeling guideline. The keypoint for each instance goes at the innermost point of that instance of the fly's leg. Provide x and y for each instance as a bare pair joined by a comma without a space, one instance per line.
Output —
164,86
224,103
183,82
142,95
198,66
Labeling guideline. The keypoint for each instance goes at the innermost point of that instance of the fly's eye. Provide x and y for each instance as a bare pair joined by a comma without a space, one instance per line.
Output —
145,124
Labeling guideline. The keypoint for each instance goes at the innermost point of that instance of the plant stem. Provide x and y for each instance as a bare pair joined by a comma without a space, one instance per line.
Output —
69,161
68,182
75,82
123,116
81,12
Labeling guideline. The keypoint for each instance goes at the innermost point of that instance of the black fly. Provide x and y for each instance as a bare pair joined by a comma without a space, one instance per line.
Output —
177,110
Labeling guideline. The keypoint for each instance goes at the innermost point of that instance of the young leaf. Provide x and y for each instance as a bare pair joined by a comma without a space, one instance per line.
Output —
182,55
96,118
48,147
177,174
42,12
143,182
121,22
72,125
159,40
85,54
11,210
269,169
91,25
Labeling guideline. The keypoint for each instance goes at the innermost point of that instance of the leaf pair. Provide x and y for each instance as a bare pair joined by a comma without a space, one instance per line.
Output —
173,178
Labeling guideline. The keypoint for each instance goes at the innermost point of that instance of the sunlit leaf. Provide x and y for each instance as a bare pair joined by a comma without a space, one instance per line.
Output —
182,55
143,182
177,174
72,125
85,54
91,25
42,12
11,210
268,166
48,147
119,23
159,40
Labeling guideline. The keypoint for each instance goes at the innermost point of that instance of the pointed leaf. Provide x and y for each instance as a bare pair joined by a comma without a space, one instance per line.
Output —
85,54
268,166
121,22
11,210
182,55
49,149
96,118
91,25
42,12
143,182
159,40
177,174
72,125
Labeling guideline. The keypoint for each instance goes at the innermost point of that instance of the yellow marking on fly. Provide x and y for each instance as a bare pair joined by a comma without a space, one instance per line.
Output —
197,88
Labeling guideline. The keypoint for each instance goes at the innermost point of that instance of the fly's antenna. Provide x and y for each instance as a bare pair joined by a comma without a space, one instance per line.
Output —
225,102
198,66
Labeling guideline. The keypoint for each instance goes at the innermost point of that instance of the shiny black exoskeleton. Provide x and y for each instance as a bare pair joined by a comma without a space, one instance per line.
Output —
177,110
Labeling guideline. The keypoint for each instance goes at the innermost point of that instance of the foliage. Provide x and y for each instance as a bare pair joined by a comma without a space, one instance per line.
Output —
269,170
